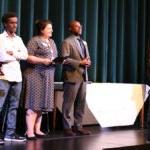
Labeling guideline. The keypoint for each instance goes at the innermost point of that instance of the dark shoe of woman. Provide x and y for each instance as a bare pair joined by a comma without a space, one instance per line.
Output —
41,135
30,137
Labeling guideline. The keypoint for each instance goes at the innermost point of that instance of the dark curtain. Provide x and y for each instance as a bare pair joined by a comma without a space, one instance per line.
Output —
117,32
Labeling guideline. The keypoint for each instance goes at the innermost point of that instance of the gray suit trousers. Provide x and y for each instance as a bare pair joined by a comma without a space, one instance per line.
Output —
74,96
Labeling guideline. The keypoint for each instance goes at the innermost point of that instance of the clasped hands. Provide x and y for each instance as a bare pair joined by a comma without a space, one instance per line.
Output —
85,62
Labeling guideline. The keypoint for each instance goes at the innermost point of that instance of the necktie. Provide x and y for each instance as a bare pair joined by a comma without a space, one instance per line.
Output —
82,47
84,55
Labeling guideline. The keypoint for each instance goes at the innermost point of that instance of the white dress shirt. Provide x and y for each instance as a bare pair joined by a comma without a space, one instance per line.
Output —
11,67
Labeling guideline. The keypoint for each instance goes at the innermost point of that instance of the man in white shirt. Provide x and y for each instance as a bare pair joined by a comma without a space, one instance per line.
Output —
12,50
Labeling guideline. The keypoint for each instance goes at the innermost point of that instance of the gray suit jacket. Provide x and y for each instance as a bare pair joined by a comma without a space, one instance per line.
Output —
73,71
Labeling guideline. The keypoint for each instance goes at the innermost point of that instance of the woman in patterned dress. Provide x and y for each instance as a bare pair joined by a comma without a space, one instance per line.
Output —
39,78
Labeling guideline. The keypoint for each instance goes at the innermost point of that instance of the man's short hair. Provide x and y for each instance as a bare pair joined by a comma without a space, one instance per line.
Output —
8,15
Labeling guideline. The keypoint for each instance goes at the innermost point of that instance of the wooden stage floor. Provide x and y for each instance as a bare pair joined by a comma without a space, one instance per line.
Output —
108,138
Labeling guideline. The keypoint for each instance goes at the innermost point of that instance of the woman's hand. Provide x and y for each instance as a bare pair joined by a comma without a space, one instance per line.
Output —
38,60
47,61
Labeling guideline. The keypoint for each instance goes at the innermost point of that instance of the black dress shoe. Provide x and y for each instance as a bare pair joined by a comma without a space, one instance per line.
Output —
81,131
69,132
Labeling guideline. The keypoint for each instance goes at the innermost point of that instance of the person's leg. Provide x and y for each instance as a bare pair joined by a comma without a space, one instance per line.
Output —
79,107
70,91
148,119
38,124
30,122
4,88
13,102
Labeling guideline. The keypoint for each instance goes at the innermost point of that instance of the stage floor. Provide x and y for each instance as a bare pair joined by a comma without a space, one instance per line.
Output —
98,140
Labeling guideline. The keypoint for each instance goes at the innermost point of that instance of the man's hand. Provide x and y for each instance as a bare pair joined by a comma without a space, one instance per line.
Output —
65,62
9,52
85,62
1,73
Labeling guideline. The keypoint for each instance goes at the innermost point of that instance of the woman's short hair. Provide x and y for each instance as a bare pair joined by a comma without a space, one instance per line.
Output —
41,24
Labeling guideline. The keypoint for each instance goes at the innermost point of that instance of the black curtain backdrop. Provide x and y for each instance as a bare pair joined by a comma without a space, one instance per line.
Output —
117,32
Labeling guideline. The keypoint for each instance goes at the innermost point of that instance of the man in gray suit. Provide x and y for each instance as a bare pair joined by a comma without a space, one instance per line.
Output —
75,50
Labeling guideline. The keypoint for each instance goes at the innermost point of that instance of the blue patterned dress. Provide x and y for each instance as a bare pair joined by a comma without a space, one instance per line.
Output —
38,80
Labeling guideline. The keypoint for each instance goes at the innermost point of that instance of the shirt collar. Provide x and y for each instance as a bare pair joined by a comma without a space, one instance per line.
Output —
74,36
6,34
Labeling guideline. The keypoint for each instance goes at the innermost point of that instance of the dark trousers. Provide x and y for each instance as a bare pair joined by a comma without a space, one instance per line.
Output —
10,92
